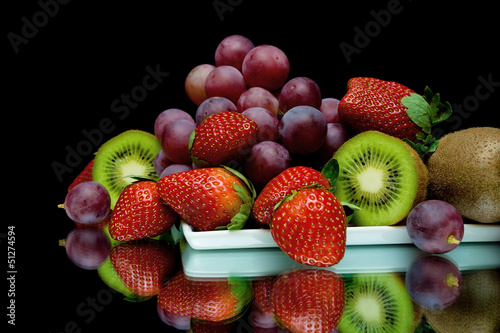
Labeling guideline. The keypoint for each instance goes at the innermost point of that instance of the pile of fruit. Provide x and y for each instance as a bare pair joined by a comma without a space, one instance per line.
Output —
266,151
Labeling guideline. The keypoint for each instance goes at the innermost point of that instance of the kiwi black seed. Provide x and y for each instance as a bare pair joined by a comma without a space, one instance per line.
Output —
376,302
380,175
123,159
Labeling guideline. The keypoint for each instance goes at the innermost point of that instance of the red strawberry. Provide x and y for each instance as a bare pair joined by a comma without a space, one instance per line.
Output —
262,294
310,227
211,300
222,138
392,108
281,186
140,213
143,266
209,198
84,176
309,300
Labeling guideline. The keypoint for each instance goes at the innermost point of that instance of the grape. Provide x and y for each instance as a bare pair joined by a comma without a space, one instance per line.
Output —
225,81
303,130
329,108
175,168
258,97
267,160
232,50
171,319
87,248
266,121
194,85
336,135
87,203
433,282
299,91
435,226
266,66
175,140
212,106
161,162
167,117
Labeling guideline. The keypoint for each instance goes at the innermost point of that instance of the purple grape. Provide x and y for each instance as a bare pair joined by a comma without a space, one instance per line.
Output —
329,108
267,160
167,117
232,50
266,121
435,226
161,162
175,168
194,85
433,282
258,97
266,66
300,91
303,130
212,106
87,248
225,81
171,319
175,141
336,135
87,203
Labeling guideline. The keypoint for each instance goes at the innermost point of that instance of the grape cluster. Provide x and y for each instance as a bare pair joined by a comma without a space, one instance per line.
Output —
296,125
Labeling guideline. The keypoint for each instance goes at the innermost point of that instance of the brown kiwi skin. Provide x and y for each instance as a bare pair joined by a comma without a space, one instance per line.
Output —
423,177
465,172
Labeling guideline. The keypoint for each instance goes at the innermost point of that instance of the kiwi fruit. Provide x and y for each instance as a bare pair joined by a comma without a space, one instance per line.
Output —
477,309
382,175
465,172
124,158
376,302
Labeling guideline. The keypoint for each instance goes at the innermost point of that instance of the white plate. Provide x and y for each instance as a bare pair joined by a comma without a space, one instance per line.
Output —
261,238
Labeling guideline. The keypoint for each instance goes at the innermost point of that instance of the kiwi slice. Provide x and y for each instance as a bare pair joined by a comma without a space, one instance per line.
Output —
376,303
123,159
380,175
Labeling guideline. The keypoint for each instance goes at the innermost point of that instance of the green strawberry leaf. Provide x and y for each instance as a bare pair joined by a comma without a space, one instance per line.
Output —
331,171
349,210
419,111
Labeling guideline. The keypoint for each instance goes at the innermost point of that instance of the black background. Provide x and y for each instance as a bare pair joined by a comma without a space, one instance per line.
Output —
64,79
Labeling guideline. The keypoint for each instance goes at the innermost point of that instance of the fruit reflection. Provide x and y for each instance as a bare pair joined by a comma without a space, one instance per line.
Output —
86,248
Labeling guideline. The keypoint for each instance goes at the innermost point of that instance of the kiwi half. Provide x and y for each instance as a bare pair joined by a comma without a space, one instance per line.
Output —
123,157
382,176
376,303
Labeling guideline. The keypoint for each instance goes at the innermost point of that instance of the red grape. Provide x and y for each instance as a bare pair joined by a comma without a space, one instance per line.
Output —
212,106
258,97
435,226
87,248
87,203
433,282
303,130
329,108
299,91
336,135
225,81
194,85
266,66
175,168
175,140
167,117
161,162
266,161
232,50
266,121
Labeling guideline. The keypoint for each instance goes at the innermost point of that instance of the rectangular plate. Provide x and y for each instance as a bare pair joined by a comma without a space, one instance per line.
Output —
261,238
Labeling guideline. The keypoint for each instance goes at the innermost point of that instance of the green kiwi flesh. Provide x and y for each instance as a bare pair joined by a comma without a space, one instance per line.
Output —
123,157
376,303
377,174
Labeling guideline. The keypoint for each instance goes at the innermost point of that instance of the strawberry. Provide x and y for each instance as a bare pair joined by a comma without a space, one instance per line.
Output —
392,108
222,138
84,176
211,300
143,266
209,198
308,300
140,213
310,227
281,186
